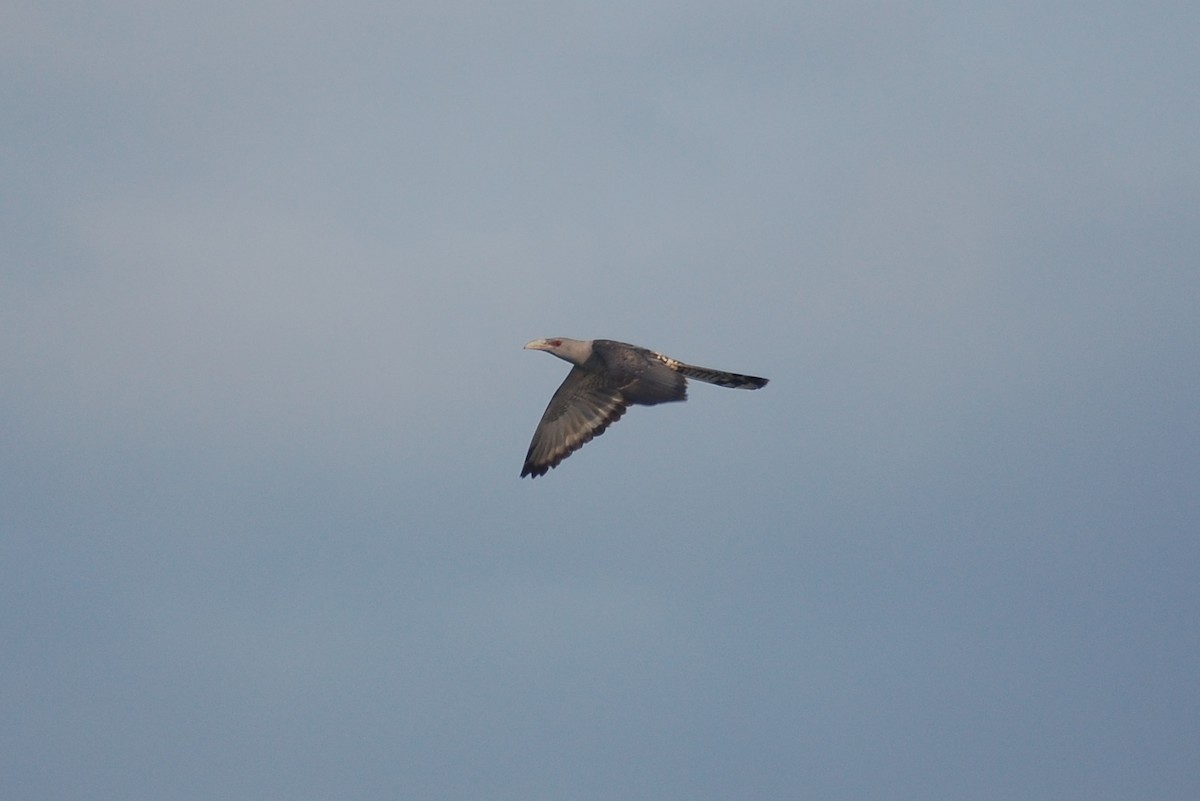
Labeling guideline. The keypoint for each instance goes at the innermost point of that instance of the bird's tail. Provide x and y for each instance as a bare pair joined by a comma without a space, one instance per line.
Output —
718,377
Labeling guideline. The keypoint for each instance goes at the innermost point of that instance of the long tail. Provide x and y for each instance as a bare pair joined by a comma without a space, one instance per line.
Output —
718,377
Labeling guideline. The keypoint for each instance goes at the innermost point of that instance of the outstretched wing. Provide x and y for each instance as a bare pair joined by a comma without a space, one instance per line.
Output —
582,408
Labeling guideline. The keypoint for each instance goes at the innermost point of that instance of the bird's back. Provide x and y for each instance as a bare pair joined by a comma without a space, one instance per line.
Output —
641,378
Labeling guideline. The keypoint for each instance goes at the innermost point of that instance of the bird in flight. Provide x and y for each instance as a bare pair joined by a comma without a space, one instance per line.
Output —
608,378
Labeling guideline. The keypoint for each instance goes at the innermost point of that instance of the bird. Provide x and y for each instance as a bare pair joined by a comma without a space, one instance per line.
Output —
607,378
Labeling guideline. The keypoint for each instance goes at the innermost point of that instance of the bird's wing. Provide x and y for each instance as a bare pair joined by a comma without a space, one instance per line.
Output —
582,408
643,376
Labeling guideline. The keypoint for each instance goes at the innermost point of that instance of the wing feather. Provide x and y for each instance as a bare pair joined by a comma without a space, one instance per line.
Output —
581,409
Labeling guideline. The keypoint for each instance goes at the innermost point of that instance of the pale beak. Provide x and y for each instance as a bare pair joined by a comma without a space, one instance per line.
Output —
537,344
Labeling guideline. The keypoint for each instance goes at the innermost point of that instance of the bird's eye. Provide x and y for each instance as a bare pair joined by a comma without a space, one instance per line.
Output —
556,342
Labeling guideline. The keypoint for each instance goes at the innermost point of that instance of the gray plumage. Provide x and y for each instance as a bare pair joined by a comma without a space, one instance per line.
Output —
607,378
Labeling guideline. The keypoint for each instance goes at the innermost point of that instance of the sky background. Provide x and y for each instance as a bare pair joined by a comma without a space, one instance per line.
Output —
267,271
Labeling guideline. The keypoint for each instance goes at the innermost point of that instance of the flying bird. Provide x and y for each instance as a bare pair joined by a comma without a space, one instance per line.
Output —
608,377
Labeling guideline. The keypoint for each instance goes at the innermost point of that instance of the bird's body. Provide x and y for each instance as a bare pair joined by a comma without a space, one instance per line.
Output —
607,378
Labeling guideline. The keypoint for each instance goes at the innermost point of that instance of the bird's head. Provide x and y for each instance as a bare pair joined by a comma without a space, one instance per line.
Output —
571,350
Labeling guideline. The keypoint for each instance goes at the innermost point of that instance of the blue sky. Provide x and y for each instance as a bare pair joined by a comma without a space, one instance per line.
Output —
268,271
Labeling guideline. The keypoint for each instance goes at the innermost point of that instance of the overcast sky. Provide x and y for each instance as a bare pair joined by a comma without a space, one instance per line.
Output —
267,271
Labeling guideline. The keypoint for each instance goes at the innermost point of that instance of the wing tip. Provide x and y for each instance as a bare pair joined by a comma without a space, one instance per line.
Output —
534,469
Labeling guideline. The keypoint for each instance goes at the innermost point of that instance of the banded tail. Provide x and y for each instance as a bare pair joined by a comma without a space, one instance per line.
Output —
711,376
